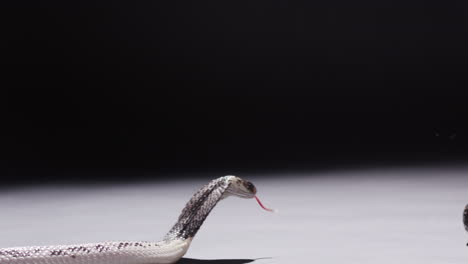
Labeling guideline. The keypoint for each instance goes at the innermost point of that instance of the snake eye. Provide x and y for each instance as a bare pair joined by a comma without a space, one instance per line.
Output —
250,187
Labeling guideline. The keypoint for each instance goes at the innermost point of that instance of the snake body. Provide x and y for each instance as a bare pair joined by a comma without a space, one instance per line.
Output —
173,246
465,218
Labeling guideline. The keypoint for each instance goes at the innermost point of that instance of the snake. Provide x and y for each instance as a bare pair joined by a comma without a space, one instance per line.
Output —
170,249
465,219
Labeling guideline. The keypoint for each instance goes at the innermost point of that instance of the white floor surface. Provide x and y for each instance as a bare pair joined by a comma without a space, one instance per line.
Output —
370,216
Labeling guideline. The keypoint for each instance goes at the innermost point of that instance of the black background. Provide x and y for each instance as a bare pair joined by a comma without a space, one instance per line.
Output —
107,89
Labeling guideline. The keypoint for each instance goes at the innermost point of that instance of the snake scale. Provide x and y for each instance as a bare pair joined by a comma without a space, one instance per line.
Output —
173,246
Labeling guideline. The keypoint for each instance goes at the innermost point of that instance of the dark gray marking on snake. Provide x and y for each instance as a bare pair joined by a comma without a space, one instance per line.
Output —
56,252
197,209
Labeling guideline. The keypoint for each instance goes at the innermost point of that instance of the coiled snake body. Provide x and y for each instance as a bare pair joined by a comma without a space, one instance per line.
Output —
169,250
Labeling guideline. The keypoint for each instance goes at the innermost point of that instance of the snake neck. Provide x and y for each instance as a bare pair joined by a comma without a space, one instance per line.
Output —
197,209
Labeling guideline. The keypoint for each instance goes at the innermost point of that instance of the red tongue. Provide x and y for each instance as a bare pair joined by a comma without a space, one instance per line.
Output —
261,205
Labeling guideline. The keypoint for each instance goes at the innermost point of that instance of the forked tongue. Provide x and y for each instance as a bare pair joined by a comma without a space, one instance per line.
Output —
261,205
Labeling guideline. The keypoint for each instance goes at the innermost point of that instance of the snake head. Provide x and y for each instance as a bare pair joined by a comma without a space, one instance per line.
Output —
240,187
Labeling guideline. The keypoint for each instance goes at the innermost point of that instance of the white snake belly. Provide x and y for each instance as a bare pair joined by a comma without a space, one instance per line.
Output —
115,252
